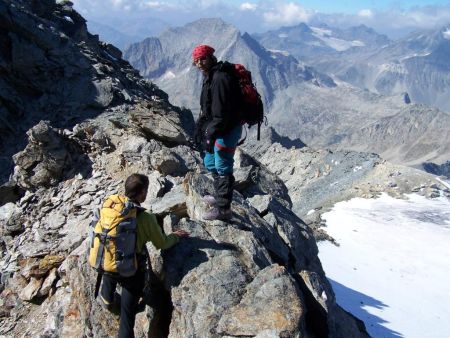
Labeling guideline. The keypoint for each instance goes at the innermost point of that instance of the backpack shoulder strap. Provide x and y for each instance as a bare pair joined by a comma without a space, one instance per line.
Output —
98,282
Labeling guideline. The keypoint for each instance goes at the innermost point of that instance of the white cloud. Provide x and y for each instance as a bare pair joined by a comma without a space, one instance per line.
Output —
153,4
206,3
287,14
257,16
365,13
247,6
395,23
117,3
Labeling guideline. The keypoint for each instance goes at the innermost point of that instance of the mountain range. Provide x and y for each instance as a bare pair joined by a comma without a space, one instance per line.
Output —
300,101
307,43
417,64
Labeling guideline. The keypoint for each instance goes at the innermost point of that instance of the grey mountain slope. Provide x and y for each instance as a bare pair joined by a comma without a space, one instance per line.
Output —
346,118
301,103
170,62
111,35
418,64
424,131
122,32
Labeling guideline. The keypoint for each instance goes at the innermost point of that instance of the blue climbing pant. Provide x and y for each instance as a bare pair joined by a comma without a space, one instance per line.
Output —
221,161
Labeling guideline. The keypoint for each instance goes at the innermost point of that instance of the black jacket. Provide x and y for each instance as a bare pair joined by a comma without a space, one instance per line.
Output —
219,103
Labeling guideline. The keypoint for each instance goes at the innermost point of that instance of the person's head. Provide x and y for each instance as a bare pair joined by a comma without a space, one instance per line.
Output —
136,186
203,58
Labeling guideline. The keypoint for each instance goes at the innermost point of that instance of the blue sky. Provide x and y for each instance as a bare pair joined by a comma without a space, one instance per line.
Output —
333,6
393,18
352,7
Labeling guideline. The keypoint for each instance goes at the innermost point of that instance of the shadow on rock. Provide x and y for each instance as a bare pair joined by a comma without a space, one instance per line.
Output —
192,255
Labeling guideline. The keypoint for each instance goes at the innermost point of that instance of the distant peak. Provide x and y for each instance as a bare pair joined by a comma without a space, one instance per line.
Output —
210,21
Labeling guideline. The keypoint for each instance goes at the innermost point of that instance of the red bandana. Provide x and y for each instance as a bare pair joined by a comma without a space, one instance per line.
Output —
202,51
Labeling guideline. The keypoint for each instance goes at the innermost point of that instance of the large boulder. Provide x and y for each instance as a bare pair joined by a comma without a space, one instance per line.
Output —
48,158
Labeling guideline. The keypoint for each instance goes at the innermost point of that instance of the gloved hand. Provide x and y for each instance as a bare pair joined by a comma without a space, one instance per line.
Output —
209,145
209,139
199,131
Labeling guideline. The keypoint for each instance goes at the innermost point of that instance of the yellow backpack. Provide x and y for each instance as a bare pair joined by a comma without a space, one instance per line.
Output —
113,238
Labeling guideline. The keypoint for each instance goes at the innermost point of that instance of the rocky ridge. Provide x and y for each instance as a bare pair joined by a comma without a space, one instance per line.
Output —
258,275
54,69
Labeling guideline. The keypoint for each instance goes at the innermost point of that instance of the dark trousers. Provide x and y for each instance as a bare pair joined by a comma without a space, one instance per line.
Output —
132,288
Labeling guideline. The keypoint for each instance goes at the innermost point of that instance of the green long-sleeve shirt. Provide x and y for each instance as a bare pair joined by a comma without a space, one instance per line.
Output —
148,230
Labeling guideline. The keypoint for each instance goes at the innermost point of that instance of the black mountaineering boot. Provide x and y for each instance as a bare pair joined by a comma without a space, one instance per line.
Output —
224,195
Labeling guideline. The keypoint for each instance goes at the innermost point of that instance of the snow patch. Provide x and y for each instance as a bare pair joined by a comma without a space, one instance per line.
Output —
391,268
447,184
357,168
168,75
393,68
338,44
321,31
282,52
312,211
282,35
68,18
446,34
341,45
414,55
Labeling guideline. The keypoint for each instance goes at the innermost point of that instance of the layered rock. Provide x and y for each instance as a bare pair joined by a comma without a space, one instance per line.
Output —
53,69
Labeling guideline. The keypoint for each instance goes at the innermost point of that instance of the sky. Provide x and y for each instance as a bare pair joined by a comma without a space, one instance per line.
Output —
385,16
391,266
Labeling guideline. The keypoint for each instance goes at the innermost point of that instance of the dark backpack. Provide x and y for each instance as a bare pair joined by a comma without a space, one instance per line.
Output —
251,108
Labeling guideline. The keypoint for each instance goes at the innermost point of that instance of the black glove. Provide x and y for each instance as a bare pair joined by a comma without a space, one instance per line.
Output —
208,145
198,133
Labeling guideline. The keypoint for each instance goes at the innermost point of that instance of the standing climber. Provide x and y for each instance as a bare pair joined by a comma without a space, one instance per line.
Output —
218,129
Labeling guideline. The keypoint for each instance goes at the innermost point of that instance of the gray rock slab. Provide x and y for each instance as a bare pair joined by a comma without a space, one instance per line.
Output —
272,303
172,202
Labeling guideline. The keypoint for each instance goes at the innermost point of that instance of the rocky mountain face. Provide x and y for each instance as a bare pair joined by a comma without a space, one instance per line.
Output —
399,132
300,104
53,69
88,123
418,65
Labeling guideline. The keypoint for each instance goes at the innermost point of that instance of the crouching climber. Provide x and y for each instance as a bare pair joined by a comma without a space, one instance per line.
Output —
118,241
